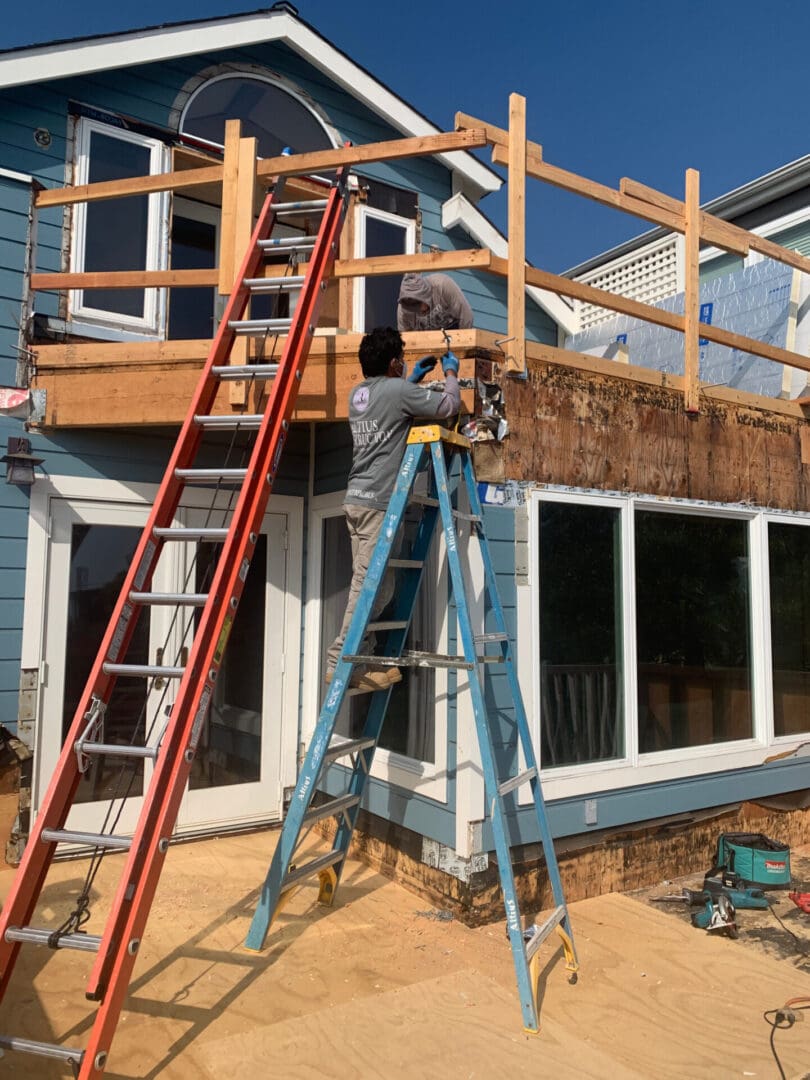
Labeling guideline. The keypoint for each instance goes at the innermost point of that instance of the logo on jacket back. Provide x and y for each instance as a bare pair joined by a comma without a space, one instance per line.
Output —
360,398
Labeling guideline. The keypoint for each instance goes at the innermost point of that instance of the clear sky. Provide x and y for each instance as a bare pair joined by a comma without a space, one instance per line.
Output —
614,87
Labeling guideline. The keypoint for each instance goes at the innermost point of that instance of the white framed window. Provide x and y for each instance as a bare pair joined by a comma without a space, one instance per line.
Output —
117,234
661,640
412,751
379,232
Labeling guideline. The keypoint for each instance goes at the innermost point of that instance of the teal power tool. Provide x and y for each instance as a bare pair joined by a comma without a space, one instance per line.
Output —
717,916
750,897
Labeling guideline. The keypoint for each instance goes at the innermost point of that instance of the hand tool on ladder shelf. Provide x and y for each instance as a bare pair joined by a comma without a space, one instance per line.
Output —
194,673
435,445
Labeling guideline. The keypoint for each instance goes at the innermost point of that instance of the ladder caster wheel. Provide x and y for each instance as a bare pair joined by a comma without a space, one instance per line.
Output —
573,978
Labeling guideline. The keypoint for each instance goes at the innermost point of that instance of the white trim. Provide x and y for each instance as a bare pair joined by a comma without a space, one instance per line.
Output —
10,174
459,211
362,213
634,768
768,228
421,777
84,56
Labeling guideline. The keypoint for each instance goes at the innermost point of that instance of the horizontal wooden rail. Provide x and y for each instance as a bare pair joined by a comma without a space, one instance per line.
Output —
467,259
292,165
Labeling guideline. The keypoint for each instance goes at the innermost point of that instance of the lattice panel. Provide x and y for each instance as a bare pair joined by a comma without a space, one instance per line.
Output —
649,276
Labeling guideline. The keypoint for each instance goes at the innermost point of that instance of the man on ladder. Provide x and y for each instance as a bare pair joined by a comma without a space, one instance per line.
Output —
381,412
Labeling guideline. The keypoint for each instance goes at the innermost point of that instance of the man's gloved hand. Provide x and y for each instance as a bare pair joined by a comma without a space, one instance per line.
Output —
421,368
450,363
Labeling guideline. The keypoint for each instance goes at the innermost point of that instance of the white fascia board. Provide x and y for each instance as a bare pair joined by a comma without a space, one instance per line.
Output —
10,174
460,211
66,59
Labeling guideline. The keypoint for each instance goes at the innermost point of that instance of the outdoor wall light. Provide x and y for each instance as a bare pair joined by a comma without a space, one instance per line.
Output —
20,462
42,137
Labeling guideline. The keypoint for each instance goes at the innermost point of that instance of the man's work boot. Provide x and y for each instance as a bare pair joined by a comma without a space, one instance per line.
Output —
370,680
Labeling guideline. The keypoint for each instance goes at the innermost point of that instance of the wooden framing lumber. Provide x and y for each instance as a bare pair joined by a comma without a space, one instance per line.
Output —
314,162
428,262
227,233
691,298
516,280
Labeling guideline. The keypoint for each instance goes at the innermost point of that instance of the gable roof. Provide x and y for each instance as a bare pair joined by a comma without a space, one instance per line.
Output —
281,23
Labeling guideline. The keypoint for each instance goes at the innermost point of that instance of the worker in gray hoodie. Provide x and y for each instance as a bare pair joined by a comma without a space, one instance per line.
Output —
433,302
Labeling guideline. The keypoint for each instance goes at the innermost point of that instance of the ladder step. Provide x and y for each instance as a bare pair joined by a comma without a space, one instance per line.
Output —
169,599
299,207
119,750
242,421
100,840
144,671
288,243
212,535
27,935
205,476
414,659
541,932
428,500
517,781
496,635
391,624
330,809
42,1049
339,748
246,371
274,284
260,326
300,872
406,564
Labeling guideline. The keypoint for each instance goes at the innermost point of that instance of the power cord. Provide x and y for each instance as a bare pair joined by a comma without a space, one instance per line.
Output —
783,1018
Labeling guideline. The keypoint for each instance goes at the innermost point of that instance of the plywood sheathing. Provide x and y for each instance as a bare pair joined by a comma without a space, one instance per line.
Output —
588,430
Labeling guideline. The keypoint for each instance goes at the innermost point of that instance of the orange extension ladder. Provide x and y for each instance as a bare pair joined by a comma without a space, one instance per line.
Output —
173,748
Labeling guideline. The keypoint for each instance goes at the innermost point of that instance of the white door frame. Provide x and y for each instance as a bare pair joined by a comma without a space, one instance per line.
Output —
38,593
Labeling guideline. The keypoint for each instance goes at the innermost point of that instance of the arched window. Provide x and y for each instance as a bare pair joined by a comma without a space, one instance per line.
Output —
276,116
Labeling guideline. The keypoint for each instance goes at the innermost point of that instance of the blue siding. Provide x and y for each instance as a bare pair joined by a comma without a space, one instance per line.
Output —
15,200
333,457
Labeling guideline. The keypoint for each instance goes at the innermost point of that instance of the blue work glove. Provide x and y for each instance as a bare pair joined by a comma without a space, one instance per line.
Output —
449,363
421,368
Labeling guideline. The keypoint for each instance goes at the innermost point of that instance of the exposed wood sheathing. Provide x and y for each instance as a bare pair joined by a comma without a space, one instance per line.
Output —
588,430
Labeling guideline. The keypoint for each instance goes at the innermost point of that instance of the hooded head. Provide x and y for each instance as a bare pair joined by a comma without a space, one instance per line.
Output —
415,291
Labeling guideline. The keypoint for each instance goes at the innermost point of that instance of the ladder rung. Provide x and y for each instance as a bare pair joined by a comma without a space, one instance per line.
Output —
300,207
100,840
391,624
330,809
289,243
246,371
542,931
243,421
119,750
414,659
460,515
169,599
339,748
204,476
329,859
496,635
274,284
406,564
42,1049
260,326
517,781
144,671
212,535
423,500
27,935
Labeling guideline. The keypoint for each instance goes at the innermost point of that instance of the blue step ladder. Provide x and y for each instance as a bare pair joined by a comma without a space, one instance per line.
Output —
435,445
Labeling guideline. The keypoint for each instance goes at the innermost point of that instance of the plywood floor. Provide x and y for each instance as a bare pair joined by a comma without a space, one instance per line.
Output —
380,987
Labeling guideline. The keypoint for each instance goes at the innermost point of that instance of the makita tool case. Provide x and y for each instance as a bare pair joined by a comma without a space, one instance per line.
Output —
754,859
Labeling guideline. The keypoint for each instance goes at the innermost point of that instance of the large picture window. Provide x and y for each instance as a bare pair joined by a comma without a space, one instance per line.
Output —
667,639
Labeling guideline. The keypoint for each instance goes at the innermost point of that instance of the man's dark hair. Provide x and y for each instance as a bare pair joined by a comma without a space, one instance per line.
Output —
378,349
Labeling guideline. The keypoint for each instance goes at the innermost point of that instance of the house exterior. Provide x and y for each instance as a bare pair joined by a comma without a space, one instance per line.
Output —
654,607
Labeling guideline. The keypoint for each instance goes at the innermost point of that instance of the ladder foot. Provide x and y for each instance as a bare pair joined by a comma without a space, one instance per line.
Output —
571,962
531,1031
328,880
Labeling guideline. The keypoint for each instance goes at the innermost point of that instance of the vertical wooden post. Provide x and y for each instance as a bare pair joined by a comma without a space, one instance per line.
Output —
516,281
691,337
227,227
241,228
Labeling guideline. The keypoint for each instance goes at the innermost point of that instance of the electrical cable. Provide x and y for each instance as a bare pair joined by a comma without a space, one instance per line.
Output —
783,1018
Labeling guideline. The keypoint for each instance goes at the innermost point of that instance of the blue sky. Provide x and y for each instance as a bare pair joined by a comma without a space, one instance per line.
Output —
614,87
